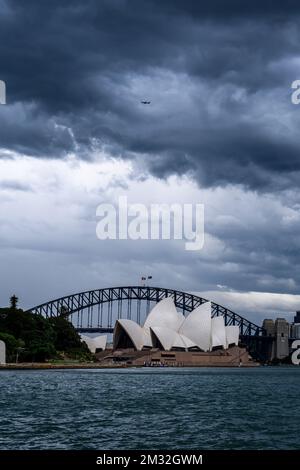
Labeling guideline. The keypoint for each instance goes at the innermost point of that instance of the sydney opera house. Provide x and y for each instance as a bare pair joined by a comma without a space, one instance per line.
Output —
169,338
168,330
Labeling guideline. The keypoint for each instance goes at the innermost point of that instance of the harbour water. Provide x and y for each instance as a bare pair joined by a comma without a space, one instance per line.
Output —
164,408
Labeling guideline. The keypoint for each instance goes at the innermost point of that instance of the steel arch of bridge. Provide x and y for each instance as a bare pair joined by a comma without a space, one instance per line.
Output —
86,301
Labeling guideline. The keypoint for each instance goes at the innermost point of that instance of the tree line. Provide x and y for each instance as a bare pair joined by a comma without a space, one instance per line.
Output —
32,338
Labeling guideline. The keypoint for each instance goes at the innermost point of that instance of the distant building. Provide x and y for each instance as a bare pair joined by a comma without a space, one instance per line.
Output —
269,326
279,330
297,317
282,333
295,330
2,352
295,327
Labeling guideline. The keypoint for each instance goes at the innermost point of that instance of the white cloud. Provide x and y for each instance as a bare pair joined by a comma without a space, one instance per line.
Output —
257,305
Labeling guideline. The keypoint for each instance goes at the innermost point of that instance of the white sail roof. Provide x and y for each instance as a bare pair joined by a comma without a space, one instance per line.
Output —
164,314
166,336
100,342
197,326
218,335
187,341
133,330
95,342
88,341
147,339
171,339
232,335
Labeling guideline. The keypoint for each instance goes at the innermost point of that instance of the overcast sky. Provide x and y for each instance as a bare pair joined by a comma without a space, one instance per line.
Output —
220,130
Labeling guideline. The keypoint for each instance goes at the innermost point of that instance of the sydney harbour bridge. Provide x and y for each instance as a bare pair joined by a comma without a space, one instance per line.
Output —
96,311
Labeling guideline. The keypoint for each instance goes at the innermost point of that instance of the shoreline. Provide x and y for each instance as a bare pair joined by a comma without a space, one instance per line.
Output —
41,366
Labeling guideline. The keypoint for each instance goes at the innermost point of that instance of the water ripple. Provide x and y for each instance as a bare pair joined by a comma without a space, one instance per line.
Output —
150,409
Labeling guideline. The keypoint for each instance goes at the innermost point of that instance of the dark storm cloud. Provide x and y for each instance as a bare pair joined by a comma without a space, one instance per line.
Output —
232,8
213,71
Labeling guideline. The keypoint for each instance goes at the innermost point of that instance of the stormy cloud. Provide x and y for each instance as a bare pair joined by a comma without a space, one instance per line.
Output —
218,77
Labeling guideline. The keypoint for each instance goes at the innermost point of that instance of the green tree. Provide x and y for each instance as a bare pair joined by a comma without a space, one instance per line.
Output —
68,340
13,302
40,338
